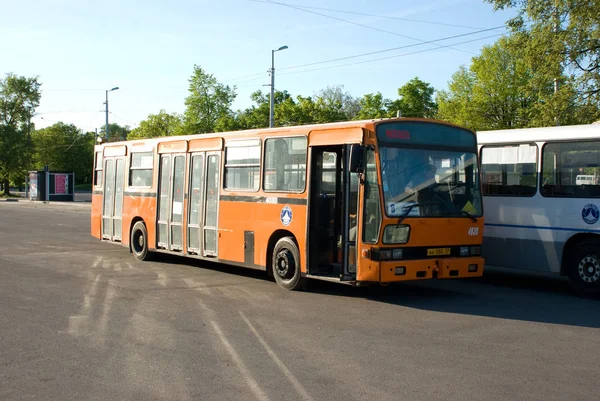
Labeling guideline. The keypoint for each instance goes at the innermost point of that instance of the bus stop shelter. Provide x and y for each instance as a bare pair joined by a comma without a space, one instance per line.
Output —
51,186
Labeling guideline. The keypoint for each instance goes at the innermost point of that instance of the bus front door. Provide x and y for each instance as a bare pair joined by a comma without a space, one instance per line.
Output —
112,208
170,207
333,209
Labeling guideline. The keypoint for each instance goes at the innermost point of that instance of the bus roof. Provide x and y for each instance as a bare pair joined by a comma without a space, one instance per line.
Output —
297,129
520,135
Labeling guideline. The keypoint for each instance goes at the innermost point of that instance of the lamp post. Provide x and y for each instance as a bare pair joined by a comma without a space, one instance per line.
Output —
106,103
272,71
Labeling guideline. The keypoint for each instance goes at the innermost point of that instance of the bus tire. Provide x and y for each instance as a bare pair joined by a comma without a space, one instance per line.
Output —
139,242
285,265
584,269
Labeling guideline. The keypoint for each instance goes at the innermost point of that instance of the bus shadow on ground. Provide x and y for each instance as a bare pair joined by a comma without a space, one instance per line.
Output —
498,295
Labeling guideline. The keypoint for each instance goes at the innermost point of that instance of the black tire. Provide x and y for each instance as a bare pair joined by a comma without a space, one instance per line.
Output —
285,265
583,269
139,242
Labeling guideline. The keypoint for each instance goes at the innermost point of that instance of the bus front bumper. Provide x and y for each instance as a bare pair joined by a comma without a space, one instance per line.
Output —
443,268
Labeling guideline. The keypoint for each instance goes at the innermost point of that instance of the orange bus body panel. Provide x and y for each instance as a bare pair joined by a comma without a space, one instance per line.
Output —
263,219
173,147
143,207
118,150
335,136
204,145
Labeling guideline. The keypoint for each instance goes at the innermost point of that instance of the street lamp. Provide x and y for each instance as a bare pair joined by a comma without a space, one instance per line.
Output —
106,103
272,71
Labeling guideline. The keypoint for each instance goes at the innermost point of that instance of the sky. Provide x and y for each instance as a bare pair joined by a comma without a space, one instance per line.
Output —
148,49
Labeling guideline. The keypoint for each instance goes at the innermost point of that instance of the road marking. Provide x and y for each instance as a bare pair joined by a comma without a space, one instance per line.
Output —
197,285
250,381
290,376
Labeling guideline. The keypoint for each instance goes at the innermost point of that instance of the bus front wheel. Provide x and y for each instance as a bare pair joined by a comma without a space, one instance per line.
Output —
584,269
139,241
285,264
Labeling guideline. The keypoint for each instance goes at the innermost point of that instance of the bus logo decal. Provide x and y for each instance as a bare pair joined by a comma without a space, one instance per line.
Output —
286,215
474,231
590,213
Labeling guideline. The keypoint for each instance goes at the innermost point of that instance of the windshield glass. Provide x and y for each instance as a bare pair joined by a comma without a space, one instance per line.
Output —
423,182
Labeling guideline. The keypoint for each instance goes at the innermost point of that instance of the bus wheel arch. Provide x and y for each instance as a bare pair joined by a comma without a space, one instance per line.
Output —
581,264
138,241
284,261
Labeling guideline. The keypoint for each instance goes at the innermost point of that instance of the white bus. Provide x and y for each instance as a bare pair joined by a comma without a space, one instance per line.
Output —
541,211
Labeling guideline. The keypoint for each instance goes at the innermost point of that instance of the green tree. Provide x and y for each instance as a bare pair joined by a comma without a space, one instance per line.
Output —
116,132
157,125
338,103
64,147
373,105
493,93
456,104
208,101
416,100
257,115
19,97
561,40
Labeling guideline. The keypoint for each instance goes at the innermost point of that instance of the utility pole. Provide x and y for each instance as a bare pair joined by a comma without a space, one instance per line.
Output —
271,99
106,103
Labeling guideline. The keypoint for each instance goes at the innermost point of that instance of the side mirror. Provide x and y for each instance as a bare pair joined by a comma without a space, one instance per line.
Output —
356,158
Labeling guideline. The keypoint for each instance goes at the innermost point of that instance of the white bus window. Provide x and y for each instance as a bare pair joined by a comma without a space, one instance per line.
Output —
285,164
571,169
509,170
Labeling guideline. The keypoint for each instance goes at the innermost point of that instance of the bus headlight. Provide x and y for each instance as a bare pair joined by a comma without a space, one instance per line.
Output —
396,234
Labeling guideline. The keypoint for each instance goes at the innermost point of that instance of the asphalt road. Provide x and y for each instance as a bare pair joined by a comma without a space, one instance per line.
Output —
82,320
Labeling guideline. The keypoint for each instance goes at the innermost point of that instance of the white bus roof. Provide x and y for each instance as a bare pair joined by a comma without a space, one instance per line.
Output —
520,135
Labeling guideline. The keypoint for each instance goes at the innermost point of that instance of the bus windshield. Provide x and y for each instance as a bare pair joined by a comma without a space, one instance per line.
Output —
430,183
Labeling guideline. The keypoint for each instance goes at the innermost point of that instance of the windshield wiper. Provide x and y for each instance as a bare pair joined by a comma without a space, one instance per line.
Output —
410,207
469,215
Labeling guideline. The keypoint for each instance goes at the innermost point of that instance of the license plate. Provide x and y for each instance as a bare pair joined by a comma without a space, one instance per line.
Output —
438,251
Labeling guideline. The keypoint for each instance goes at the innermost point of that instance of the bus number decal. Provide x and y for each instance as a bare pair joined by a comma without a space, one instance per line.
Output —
474,231
271,200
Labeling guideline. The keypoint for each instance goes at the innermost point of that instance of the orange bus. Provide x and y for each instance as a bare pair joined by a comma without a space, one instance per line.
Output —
359,202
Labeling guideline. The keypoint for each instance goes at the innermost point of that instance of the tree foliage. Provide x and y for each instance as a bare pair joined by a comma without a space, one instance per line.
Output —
502,90
373,105
415,100
19,97
560,40
494,93
339,102
208,102
64,147
116,132
157,125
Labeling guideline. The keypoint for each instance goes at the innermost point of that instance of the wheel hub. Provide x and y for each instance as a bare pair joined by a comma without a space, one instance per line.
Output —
589,269
284,264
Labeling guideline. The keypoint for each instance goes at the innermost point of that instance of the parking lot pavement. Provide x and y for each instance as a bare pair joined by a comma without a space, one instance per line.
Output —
83,320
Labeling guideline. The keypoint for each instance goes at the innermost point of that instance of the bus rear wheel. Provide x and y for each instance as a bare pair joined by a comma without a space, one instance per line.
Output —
139,241
285,265
584,269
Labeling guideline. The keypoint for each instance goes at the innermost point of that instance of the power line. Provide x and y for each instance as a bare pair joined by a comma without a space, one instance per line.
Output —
384,58
386,50
359,24
372,15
